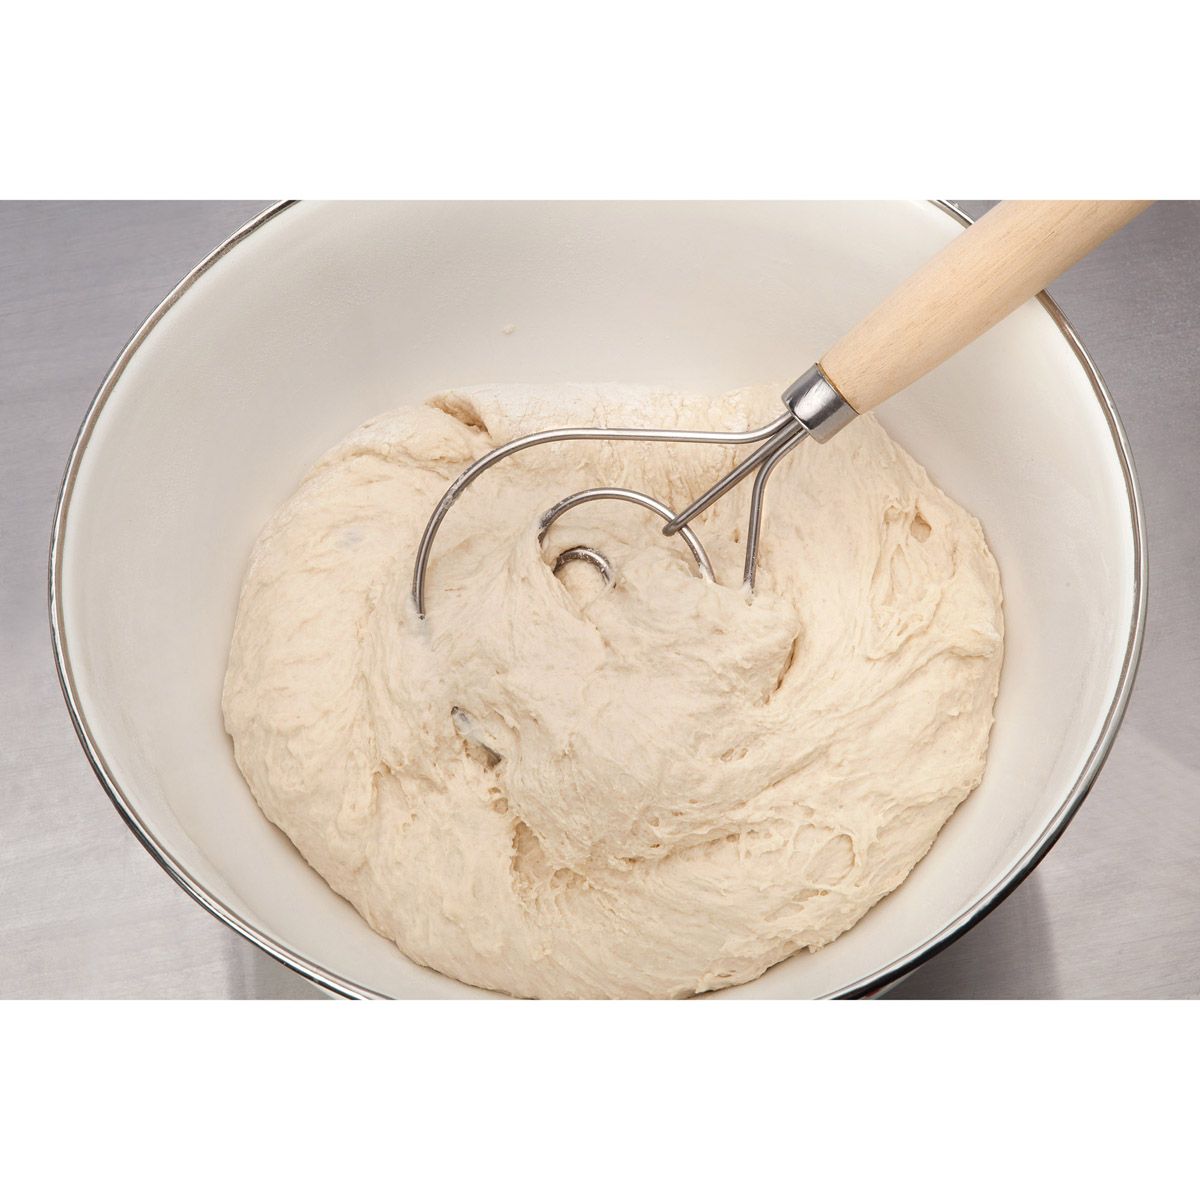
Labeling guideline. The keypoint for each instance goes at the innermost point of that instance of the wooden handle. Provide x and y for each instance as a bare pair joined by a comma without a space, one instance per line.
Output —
990,269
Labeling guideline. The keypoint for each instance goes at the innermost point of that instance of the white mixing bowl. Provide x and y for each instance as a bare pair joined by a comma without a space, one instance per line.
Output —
317,316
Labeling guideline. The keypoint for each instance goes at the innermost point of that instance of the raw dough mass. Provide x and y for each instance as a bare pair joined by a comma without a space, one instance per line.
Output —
691,784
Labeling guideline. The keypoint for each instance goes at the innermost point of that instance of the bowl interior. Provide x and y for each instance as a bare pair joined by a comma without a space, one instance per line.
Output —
329,313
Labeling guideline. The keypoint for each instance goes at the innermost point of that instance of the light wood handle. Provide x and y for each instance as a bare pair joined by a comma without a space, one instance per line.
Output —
997,264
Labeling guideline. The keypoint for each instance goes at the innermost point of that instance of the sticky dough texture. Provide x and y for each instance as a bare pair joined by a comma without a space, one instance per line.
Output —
692,784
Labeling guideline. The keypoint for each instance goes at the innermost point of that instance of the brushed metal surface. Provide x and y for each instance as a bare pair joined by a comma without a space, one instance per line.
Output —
1113,911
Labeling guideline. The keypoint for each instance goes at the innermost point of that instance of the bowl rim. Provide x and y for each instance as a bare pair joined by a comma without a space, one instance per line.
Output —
873,984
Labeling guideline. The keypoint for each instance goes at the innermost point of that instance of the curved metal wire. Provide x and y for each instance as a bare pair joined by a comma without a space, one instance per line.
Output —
756,502
456,489
693,542
586,554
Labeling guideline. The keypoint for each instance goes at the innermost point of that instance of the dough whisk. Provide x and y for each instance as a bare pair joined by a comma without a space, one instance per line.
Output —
986,272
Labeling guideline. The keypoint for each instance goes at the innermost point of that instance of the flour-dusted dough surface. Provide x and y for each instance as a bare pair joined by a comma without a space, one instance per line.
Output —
692,785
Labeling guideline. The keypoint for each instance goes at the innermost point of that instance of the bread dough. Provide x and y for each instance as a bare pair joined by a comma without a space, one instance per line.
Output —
691,783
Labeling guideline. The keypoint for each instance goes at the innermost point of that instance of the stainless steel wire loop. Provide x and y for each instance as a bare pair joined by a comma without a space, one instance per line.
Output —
588,555
656,506
455,490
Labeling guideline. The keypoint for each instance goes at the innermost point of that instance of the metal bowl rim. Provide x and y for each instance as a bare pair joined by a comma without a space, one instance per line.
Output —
873,984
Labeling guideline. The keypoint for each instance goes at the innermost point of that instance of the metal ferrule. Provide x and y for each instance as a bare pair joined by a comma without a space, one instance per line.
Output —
818,405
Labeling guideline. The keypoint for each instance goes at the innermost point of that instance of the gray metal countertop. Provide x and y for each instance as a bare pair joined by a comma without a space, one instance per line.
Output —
84,911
